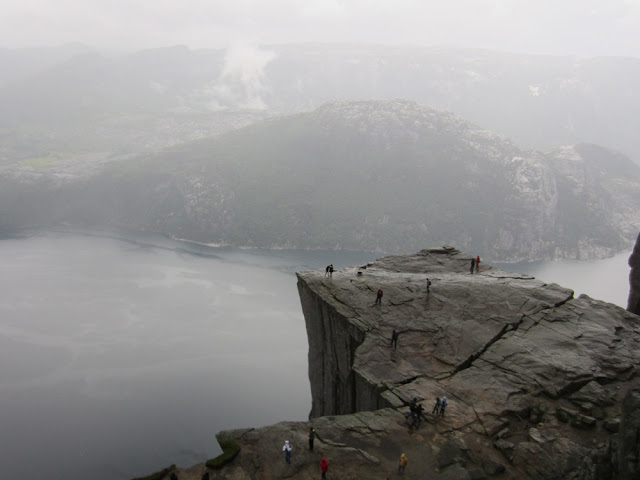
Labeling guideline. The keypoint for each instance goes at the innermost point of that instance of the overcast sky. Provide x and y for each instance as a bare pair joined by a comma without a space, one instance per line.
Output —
581,27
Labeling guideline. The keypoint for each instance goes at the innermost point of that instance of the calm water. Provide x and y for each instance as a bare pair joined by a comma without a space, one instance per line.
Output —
606,279
119,357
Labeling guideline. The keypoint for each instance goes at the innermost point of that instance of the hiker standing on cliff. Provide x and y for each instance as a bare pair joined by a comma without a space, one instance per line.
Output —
331,270
394,339
379,297
287,451
436,407
312,436
417,416
428,284
326,270
443,405
477,263
473,264
402,463
324,467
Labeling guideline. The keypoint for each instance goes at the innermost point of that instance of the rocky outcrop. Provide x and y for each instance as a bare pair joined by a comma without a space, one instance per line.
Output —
633,303
540,385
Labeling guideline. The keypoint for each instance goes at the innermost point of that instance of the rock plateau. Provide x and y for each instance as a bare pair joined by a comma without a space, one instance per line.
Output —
540,385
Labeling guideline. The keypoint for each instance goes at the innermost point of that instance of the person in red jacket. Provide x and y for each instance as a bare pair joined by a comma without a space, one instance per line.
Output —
324,467
379,297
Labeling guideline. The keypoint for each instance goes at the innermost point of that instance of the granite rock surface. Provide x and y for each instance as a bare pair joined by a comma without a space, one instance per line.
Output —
540,385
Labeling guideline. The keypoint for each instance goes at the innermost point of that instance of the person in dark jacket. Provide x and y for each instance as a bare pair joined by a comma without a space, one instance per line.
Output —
436,407
394,338
312,436
473,264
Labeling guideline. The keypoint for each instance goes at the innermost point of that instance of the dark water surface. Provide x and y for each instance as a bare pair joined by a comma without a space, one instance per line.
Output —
120,357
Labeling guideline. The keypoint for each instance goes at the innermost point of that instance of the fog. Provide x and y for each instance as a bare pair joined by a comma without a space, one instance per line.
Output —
570,27
121,357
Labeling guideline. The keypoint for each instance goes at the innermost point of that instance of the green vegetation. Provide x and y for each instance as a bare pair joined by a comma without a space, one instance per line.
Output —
158,475
230,450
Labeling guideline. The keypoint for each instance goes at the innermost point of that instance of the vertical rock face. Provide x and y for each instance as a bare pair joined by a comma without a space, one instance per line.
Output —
633,304
629,452
540,385
535,377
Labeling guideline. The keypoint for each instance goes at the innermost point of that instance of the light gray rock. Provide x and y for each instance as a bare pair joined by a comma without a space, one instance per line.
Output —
538,382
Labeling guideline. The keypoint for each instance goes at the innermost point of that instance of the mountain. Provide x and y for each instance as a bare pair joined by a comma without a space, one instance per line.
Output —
156,98
386,176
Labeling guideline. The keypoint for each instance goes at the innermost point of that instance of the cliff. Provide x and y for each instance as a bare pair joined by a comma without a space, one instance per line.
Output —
540,385
633,303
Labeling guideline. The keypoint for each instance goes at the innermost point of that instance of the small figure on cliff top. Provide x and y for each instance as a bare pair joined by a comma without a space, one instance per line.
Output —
331,270
412,405
477,263
402,463
443,405
326,270
473,264
286,448
379,297
312,436
417,416
428,284
324,467
394,338
436,407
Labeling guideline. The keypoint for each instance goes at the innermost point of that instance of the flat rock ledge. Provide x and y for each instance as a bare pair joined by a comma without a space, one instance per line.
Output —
540,385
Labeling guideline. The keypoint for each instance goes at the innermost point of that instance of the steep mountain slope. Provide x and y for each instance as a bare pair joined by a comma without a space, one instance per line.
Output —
386,176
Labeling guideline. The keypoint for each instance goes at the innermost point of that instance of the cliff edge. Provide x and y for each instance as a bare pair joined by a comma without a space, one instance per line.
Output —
540,385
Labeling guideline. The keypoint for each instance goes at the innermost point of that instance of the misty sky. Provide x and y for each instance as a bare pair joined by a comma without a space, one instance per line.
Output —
581,27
